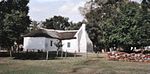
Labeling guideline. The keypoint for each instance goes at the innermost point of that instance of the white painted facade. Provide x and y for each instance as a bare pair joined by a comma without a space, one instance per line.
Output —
81,44
70,45
35,43
39,43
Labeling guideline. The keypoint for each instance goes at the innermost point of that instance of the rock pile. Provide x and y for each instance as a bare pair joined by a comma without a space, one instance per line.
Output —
122,56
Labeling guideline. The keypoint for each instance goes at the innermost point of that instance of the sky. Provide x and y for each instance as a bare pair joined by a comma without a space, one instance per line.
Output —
45,9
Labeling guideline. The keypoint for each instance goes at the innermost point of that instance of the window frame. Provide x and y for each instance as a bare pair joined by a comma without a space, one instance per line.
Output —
51,43
68,44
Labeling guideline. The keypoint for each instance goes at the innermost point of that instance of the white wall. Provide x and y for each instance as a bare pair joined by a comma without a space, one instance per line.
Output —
83,43
48,44
73,45
39,43
89,44
36,43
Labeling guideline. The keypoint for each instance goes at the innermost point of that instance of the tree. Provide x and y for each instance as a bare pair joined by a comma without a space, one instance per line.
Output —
135,25
145,4
1,22
34,25
75,26
16,21
57,22
118,23
128,28
59,46
100,21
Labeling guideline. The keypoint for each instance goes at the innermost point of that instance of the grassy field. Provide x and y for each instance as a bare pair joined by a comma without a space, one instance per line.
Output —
72,65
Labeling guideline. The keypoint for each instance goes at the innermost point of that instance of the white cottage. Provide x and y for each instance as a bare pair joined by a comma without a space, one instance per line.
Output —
45,39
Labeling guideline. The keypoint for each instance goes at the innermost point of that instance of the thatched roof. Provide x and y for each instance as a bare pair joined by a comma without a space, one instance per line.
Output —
50,33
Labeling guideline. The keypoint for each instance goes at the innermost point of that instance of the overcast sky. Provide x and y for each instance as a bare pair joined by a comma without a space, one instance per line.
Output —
42,9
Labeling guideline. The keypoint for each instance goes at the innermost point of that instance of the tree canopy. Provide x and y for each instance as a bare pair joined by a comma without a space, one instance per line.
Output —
75,26
14,21
57,22
61,23
119,23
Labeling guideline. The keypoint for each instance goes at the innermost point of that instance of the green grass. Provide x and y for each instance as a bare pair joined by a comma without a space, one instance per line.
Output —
72,65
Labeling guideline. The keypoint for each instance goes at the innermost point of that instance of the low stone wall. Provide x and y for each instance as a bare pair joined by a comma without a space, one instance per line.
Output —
133,57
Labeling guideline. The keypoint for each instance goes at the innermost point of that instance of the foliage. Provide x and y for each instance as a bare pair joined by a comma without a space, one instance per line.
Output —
15,21
75,26
61,23
1,22
34,25
58,45
57,22
118,23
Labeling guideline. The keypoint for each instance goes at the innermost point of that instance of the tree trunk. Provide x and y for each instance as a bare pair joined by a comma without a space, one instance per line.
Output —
62,52
57,53
11,51
142,50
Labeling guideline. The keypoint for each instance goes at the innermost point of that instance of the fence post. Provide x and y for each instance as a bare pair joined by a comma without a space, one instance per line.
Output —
66,54
47,53
62,53
75,53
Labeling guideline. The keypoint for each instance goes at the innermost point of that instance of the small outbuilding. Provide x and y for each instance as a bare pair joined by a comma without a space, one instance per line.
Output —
46,40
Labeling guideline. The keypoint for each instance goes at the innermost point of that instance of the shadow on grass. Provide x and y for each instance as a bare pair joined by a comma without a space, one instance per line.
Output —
37,55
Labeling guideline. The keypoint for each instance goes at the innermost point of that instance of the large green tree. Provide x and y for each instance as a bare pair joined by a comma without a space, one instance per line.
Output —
1,21
15,22
118,23
100,16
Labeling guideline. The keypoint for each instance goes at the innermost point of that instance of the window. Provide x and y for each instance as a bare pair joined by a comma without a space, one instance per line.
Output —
68,44
51,43
46,45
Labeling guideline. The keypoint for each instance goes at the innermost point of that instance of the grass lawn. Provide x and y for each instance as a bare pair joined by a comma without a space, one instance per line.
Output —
76,65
